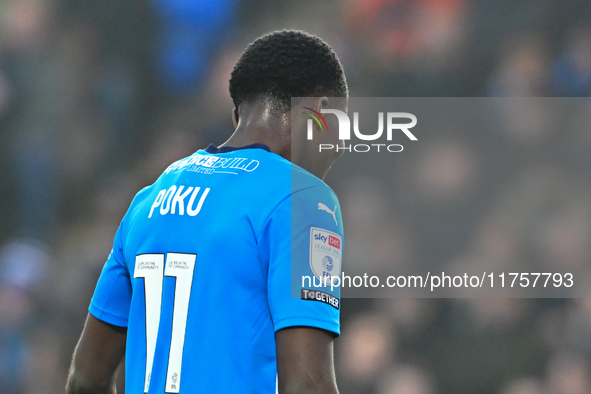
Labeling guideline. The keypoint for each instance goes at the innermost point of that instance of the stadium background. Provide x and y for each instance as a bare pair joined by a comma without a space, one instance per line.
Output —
97,97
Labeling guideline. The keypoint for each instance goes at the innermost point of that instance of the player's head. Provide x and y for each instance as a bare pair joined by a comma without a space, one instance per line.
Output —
284,64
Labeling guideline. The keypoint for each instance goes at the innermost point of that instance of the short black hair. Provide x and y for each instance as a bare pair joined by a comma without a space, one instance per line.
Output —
284,64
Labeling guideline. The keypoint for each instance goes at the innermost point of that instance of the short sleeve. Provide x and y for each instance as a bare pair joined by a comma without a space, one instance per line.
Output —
304,241
112,296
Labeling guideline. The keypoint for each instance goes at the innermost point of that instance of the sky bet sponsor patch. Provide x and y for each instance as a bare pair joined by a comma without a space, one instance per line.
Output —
315,295
325,254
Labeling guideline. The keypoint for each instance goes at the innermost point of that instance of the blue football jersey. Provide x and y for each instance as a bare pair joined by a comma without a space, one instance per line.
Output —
210,261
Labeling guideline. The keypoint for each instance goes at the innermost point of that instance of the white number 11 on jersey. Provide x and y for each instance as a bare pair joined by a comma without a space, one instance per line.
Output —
152,269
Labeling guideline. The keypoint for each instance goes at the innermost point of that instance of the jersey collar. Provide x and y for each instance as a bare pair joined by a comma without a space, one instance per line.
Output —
214,149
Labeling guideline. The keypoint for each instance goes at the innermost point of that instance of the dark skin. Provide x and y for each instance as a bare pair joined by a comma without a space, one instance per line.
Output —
96,358
285,134
305,363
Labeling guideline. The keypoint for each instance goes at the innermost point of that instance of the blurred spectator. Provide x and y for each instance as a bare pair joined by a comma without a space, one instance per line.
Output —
571,71
522,70
23,265
366,352
405,30
524,386
404,47
568,374
191,32
406,379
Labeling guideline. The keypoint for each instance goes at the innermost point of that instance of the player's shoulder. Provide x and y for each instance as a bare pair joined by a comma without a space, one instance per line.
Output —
137,200
301,178
283,178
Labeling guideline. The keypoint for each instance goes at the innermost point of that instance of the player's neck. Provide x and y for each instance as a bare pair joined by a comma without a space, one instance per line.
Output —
257,126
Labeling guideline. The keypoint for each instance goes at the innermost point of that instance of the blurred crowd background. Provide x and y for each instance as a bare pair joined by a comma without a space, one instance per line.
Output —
98,97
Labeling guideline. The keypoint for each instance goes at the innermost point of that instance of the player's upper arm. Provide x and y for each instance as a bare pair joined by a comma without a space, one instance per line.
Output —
96,358
112,296
305,361
302,242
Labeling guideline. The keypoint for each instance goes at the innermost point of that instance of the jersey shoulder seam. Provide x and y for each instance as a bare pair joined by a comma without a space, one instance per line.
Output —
282,200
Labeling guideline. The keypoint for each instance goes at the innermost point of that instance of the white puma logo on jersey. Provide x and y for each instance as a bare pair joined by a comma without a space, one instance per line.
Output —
323,207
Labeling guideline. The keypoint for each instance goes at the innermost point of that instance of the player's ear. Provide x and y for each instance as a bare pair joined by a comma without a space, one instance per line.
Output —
235,117
321,103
